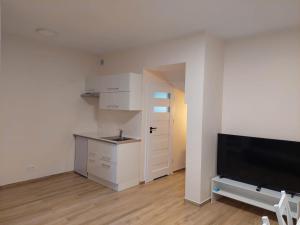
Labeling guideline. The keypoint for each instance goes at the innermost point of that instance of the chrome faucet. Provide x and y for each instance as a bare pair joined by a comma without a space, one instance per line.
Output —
120,133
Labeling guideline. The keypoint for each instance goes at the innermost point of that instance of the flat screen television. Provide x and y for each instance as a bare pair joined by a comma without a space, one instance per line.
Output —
268,163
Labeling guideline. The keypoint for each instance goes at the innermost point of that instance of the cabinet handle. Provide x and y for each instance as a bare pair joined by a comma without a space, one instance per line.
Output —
112,88
105,165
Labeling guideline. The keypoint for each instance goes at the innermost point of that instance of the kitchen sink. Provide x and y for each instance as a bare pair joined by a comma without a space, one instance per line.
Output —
117,138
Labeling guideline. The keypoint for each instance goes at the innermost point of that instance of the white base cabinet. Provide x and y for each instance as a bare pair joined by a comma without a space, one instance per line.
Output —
115,166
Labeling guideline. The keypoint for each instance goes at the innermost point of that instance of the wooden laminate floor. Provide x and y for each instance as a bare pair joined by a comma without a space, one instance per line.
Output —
70,199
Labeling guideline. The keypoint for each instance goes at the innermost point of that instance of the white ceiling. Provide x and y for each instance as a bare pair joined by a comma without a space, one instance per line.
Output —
109,25
173,74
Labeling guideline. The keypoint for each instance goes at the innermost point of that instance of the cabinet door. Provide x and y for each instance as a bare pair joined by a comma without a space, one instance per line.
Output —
102,151
108,101
81,155
122,100
107,171
121,82
115,83
115,101
102,159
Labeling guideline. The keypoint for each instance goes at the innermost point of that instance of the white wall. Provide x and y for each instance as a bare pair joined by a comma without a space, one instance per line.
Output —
212,111
111,121
179,129
41,107
262,86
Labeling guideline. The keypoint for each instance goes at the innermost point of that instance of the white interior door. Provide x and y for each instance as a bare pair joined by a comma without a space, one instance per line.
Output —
158,154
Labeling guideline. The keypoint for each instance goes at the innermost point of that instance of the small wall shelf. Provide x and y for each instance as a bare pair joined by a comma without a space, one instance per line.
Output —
265,198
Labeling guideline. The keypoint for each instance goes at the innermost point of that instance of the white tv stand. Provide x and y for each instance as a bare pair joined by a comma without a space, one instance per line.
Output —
265,198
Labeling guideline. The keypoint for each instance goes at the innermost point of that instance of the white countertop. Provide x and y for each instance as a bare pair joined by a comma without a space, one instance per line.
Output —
95,136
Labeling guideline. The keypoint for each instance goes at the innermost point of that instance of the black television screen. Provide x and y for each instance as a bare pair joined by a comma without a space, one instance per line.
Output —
268,163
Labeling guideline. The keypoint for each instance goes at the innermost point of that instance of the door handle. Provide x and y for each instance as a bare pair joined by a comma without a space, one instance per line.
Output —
152,128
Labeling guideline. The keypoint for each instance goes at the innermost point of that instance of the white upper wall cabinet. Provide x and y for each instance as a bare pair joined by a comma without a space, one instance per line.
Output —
117,92
114,83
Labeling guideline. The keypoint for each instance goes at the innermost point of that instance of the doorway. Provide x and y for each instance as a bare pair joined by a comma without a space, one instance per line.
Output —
166,112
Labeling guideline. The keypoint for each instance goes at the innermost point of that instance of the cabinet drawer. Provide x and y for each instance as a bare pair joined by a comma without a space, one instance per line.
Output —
102,169
92,167
99,150
107,171
108,154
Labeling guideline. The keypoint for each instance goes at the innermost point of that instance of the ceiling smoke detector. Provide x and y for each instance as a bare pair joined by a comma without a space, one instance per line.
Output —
46,32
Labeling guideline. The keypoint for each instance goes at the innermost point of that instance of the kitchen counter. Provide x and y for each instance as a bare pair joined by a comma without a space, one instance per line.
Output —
112,163
95,136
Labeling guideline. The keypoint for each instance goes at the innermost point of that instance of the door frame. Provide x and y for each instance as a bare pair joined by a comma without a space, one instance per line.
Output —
147,99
